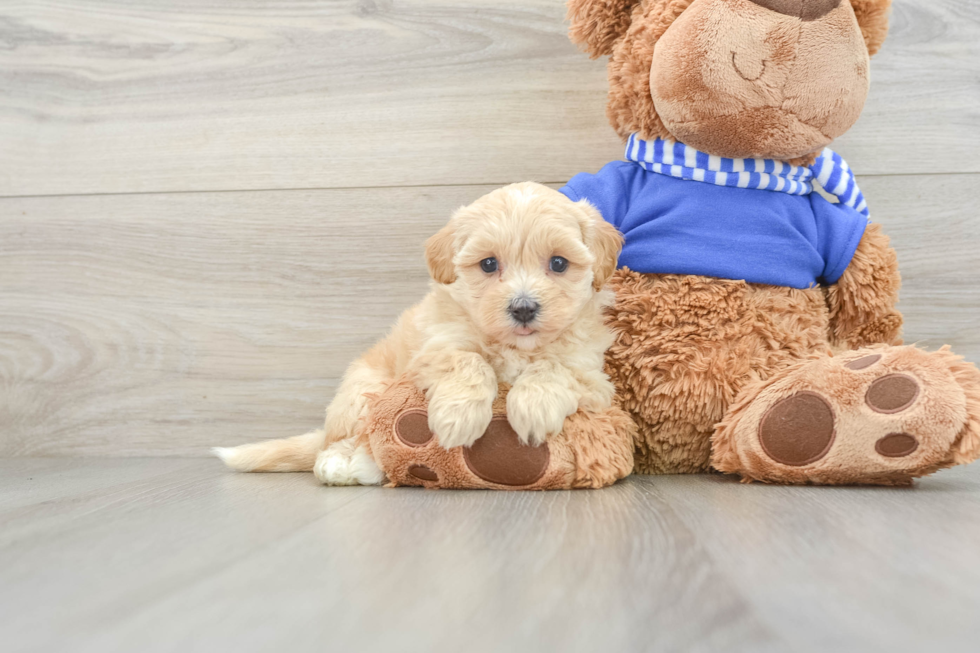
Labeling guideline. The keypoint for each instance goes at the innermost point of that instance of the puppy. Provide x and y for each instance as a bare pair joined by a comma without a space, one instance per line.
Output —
516,297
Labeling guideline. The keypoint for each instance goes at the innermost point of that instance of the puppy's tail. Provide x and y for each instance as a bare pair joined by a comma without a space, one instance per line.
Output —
296,454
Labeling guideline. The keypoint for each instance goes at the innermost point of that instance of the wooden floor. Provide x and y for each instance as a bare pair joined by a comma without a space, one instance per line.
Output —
178,555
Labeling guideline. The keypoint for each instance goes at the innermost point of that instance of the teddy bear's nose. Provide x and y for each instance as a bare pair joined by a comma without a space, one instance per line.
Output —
804,9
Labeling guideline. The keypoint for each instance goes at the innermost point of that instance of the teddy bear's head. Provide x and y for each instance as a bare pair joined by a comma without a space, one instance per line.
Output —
774,79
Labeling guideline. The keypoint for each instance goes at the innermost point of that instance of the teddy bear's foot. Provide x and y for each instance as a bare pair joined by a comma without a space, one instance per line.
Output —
592,450
496,459
876,416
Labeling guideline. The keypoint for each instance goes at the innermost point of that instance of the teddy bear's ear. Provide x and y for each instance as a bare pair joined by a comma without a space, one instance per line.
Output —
597,24
872,16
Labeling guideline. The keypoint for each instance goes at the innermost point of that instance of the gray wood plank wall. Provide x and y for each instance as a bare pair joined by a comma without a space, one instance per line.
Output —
207,211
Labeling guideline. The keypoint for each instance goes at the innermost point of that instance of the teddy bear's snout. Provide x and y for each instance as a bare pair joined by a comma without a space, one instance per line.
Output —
771,79
803,9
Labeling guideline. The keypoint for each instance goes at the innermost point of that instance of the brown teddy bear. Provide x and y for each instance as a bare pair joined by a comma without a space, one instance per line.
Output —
749,260
755,321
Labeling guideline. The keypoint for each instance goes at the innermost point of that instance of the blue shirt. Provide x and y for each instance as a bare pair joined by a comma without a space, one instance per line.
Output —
678,226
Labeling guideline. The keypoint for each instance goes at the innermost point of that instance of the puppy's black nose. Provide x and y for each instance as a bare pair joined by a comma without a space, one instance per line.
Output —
524,310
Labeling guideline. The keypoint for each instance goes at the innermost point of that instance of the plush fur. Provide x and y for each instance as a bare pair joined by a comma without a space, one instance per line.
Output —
698,360
462,340
739,80
686,346
862,303
801,84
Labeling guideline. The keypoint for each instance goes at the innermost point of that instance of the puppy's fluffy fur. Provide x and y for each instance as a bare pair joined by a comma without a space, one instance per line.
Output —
463,338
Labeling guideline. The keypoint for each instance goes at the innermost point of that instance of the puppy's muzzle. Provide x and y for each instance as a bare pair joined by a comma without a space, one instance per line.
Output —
524,310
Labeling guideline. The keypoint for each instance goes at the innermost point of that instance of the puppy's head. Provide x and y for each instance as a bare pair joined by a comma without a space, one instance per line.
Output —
524,261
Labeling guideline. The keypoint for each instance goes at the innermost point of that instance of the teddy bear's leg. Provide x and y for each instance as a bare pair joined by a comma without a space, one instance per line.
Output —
593,449
686,346
602,447
672,446
881,415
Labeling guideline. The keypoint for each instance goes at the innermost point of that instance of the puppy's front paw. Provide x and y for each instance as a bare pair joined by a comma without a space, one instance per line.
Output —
459,421
536,412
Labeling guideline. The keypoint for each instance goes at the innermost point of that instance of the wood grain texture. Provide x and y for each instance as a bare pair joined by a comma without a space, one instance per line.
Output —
165,324
163,555
136,301
871,570
112,96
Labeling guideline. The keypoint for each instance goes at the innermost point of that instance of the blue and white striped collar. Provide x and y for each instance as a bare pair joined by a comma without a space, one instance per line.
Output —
675,159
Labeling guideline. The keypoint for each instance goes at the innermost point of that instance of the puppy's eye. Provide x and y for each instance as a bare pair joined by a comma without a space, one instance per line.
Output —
558,264
489,265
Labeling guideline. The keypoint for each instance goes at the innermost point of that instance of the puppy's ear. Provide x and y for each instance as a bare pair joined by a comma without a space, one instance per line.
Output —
439,253
872,16
604,241
596,25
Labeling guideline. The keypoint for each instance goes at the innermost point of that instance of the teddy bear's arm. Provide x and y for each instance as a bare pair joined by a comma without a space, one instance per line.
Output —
862,302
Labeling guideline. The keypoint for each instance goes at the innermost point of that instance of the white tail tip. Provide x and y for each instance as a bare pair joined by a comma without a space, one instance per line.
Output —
228,456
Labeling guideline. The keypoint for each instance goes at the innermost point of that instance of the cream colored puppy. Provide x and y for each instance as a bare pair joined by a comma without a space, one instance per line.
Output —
516,297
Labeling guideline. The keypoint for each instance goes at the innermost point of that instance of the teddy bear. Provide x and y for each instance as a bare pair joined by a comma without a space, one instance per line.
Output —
755,319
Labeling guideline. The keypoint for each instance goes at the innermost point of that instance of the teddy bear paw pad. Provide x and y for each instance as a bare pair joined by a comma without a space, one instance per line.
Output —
422,473
863,362
798,430
410,454
499,457
412,428
897,445
892,394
